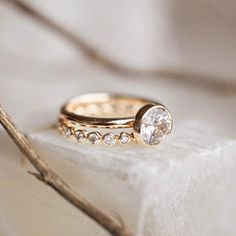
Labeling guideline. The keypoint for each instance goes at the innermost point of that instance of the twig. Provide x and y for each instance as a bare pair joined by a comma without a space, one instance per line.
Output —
74,39
48,176
98,57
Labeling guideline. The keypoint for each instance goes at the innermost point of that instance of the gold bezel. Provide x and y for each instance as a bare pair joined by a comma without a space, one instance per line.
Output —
77,112
138,121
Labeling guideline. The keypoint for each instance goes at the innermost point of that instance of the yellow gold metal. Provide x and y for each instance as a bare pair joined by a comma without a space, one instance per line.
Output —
138,120
105,111
69,110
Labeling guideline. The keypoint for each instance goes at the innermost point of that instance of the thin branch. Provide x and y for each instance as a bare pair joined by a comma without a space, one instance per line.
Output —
48,176
89,51
98,57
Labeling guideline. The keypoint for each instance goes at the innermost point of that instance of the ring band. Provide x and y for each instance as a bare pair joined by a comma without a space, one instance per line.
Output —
89,116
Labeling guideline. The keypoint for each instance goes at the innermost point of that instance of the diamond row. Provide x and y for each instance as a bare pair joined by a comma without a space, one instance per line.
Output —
95,137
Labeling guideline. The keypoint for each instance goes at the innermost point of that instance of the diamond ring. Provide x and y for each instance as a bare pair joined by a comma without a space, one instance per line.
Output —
112,118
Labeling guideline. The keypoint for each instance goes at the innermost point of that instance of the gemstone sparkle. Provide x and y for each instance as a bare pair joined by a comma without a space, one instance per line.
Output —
67,132
94,137
109,139
79,135
124,138
156,124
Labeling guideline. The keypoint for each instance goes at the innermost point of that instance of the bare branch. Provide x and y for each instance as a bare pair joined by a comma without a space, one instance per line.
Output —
74,39
98,57
48,176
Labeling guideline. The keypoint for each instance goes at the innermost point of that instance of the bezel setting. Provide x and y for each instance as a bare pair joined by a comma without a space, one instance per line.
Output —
153,122
109,139
79,135
147,121
124,138
94,137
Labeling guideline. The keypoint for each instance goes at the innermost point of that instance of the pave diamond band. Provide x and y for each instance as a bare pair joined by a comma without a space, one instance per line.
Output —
111,118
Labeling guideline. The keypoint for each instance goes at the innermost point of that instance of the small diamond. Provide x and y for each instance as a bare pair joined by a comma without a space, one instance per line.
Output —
68,132
79,135
94,137
109,139
156,124
124,138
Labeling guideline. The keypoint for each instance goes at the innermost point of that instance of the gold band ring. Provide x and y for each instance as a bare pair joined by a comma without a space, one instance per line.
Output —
141,120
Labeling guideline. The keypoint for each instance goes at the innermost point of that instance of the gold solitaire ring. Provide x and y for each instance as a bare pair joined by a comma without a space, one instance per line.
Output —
111,118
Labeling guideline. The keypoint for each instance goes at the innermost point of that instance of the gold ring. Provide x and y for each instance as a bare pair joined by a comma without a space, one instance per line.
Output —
89,117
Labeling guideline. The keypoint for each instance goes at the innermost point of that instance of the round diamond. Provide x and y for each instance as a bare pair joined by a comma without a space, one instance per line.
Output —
67,132
124,138
94,137
109,139
156,124
79,135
